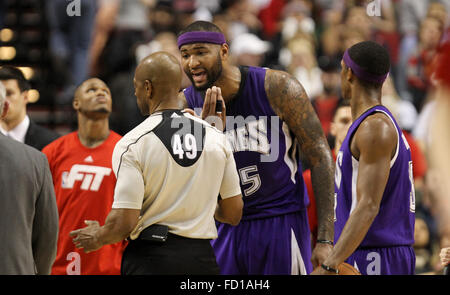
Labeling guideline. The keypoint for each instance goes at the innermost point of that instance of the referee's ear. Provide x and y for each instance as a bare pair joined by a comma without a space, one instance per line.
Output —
148,88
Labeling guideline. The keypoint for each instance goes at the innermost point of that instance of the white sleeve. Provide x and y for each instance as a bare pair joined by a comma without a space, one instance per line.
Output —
129,190
230,186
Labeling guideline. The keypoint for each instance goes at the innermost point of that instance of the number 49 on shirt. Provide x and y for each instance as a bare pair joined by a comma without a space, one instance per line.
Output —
190,146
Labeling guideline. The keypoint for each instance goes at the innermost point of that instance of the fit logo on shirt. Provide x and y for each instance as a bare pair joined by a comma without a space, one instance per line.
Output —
91,177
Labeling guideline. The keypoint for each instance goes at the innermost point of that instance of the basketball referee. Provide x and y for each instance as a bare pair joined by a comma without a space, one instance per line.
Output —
170,171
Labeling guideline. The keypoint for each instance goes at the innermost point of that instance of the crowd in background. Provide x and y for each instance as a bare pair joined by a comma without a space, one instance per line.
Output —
303,37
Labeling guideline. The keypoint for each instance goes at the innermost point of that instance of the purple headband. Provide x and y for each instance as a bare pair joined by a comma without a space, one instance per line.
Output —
360,72
201,37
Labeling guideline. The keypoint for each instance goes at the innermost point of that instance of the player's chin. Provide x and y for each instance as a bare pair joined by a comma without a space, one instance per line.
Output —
103,110
98,113
202,86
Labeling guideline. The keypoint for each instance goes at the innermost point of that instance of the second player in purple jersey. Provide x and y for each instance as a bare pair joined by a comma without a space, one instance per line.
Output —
394,224
393,228
374,189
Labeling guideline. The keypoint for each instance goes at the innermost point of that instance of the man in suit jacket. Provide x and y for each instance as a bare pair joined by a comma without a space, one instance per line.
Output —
16,124
28,212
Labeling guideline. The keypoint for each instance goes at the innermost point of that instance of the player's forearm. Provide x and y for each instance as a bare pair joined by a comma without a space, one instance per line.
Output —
322,178
353,233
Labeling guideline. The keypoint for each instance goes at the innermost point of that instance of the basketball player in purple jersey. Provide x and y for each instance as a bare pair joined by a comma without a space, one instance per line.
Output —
375,200
269,121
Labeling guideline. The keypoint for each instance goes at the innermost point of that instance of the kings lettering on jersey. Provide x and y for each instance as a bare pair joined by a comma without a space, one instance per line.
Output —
250,134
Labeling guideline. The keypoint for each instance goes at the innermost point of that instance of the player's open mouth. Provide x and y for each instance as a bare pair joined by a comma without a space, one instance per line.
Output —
199,76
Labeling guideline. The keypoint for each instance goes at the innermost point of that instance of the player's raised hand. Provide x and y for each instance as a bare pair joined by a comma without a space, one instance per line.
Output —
214,107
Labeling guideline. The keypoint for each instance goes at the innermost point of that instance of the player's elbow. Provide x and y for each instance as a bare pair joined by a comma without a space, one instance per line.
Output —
371,210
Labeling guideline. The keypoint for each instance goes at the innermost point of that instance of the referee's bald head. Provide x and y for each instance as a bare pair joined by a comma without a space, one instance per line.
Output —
162,69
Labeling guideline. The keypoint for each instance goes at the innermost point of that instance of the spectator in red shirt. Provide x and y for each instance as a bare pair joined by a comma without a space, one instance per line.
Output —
325,104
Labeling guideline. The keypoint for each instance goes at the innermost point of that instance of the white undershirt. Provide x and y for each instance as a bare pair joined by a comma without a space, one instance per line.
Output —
18,133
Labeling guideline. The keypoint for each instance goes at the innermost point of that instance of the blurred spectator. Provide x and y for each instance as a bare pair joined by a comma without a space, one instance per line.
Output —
247,49
163,41
419,65
300,61
162,17
357,18
386,21
330,12
270,16
330,45
69,42
445,256
423,246
326,102
296,18
385,31
212,5
410,15
221,20
242,17
440,11
402,109
406,116
350,36
342,120
439,154
422,127
119,26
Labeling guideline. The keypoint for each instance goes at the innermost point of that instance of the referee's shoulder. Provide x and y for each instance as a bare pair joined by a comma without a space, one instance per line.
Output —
133,136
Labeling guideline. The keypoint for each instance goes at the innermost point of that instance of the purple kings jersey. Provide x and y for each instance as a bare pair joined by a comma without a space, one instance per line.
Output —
394,224
265,151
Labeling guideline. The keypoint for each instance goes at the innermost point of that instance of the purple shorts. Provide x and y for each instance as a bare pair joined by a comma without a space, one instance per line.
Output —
400,260
278,245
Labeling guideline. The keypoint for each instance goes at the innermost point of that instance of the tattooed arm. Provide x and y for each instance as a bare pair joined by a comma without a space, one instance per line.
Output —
182,100
290,102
